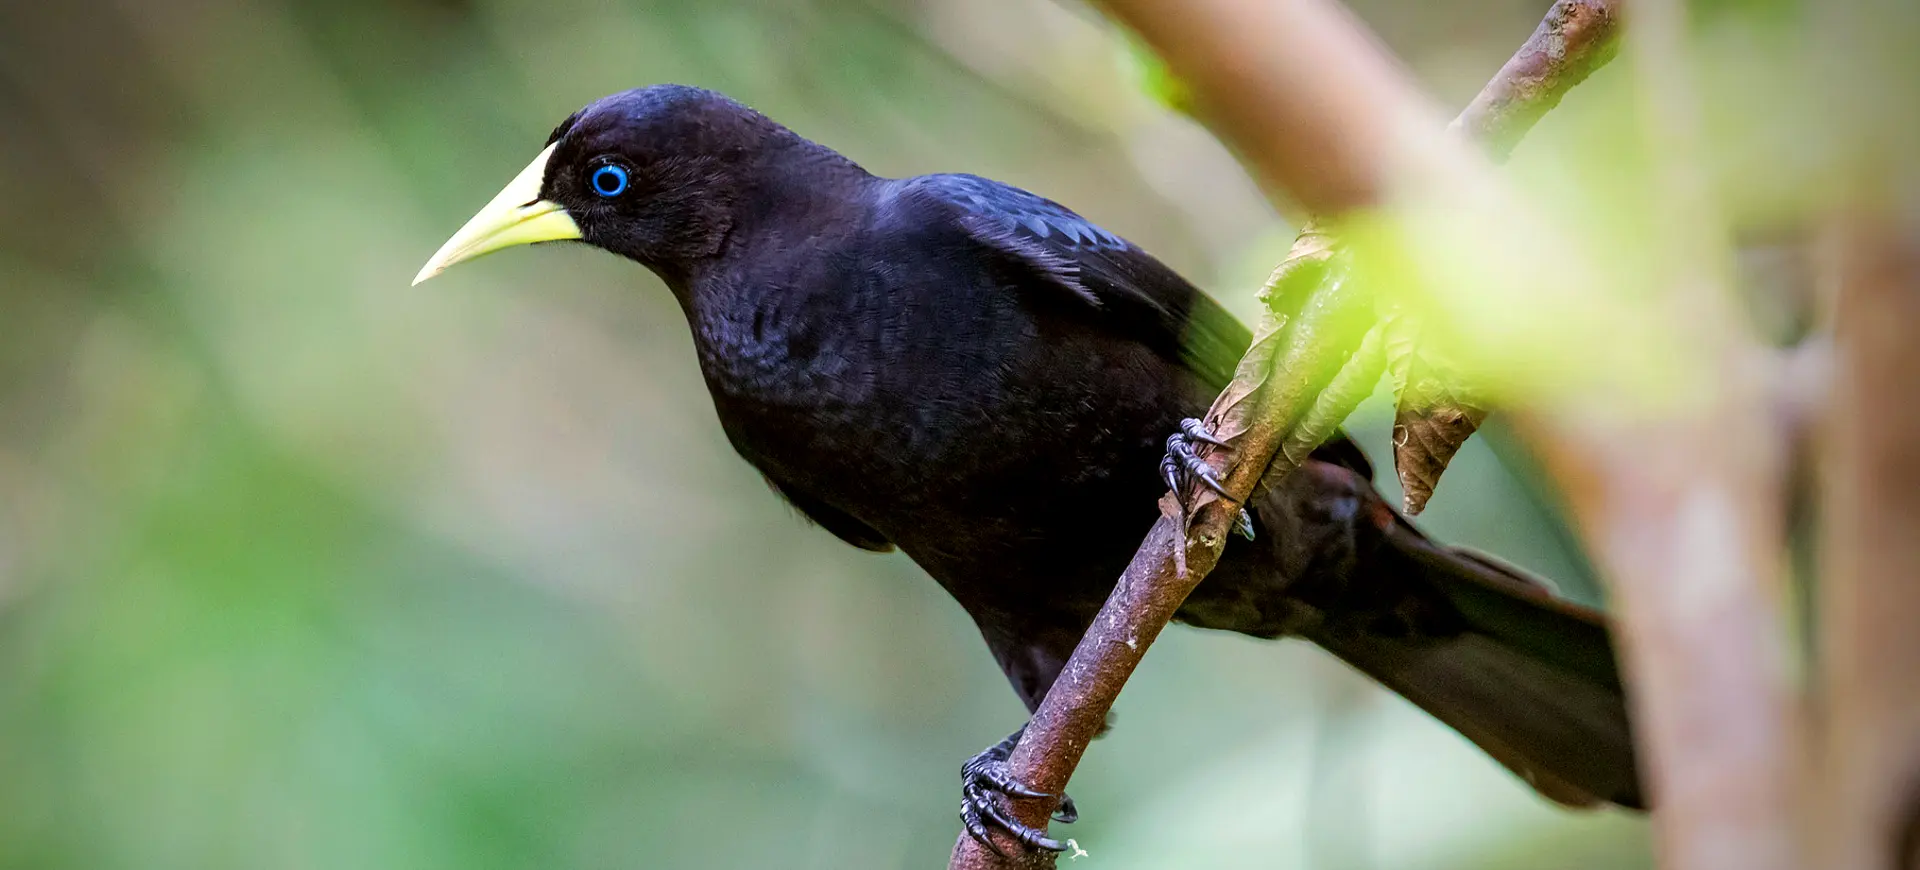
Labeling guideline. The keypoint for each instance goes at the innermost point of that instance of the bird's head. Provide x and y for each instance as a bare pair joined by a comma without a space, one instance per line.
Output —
655,174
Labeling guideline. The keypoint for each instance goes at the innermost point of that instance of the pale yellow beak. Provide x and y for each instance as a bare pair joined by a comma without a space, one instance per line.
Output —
517,216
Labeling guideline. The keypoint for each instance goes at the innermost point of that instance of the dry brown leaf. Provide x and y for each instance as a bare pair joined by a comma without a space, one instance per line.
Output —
1284,291
1228,418
1437,410
1305,269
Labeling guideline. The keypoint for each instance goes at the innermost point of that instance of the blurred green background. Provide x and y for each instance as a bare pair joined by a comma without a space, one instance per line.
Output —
302,568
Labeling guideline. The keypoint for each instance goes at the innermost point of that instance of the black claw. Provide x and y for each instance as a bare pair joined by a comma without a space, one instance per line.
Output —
977,829
998,778
1067,814
1180,449
1197,430
1036,840
1204,472
1182,465
984,782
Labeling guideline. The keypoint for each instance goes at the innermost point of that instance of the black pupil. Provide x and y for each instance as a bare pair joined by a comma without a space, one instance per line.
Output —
607,180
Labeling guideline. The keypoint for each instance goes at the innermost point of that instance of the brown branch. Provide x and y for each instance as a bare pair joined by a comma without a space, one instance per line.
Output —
1307,94
1574,39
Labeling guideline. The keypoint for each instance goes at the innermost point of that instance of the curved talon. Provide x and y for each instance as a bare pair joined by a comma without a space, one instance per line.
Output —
1067,814
984,781
1036,840
1170,473
1197,430
980,809
988,810
975,810
1179,448
992,775
970,818
1182,465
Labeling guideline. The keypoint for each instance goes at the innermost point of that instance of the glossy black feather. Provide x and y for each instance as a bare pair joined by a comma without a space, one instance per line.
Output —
1128,289
826,516
1140,294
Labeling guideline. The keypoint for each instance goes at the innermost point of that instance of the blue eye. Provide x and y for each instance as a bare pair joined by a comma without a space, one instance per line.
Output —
609,180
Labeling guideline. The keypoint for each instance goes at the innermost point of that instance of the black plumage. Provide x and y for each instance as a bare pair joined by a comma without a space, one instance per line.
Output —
985,380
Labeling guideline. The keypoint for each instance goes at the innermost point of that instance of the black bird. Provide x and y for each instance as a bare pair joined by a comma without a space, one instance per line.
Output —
987,381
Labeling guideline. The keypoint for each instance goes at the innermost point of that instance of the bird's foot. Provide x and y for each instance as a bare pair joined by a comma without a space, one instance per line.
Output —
984,780
1182,466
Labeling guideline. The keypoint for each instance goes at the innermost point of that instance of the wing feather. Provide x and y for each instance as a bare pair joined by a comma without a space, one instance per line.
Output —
1096,266
1115,279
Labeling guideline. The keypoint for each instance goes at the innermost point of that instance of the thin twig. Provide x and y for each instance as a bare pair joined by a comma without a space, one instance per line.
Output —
1331,171
1574,39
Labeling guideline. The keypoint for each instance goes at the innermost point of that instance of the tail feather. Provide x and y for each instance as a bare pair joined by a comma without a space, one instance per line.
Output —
1565,736
1520,610
1528,677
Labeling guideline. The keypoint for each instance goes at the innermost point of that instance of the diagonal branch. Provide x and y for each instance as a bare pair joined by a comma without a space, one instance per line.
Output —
1574,39
1325,114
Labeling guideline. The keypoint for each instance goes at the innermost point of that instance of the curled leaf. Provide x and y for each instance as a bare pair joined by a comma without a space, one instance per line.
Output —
1309,264
1437,410
1301,272
1229,416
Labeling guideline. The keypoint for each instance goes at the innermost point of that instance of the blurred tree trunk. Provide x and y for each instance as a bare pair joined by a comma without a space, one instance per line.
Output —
1868,814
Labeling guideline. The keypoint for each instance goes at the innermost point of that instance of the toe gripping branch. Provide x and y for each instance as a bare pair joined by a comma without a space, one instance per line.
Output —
1182,466
986,781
